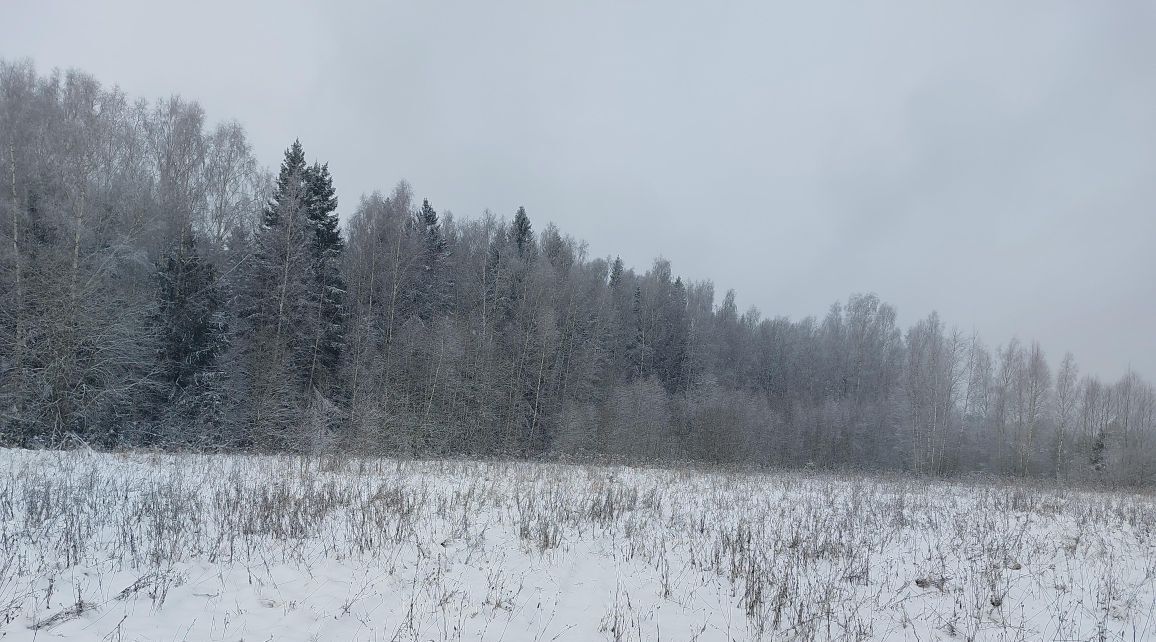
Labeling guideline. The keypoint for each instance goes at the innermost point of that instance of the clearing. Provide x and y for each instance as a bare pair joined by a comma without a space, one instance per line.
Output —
143,546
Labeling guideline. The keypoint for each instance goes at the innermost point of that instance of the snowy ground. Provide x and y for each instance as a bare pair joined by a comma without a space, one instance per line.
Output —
148,547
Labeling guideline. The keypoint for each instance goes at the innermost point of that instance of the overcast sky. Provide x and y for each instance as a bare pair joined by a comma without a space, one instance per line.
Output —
994,161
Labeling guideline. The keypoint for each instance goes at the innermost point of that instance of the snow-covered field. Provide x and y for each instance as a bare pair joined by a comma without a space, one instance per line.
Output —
183,547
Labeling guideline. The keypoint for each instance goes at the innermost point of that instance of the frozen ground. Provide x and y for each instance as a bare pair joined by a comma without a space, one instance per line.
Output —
148,547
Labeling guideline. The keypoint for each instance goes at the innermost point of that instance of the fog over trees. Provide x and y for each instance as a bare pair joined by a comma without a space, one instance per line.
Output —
157,288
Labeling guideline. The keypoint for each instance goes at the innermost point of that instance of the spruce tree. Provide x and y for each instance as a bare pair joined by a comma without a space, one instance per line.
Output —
432,239
191,340
321,201
294,302
616,273
431,286
329,297
279,304
672,338
636,349
522,233
292,177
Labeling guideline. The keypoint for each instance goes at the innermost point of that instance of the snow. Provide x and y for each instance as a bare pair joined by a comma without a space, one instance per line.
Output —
142,546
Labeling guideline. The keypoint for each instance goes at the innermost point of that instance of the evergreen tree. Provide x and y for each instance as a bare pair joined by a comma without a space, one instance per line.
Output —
321,201
622,324
329,297
522,233
191,340
616,273
672,338
636,349
280,305
294,302
291,178
432,281
427,219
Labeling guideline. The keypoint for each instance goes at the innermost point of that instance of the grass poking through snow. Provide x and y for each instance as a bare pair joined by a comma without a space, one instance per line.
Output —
143,546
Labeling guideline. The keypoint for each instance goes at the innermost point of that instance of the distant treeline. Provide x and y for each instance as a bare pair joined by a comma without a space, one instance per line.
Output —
158,288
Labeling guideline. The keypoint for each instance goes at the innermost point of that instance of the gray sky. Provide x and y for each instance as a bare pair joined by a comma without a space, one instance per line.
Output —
995,161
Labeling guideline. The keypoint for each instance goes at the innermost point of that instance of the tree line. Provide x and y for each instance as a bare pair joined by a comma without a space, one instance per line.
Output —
158,288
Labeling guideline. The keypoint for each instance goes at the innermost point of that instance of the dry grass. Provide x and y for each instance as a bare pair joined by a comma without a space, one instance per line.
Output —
461,550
